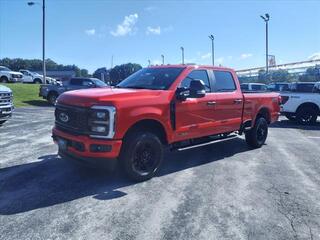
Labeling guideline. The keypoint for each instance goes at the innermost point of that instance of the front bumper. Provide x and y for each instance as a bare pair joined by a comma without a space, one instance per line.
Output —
14,79
5,112
80,146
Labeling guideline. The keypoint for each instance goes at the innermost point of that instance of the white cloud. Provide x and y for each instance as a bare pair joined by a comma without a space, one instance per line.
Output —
314,56
90,32
126,27
246,55
219,60
206,56
153,30
168,29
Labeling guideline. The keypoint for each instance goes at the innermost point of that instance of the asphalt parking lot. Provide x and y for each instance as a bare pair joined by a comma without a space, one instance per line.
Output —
221,191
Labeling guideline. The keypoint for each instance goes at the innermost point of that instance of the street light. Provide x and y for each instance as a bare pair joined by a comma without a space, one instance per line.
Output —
212,48
266,18
182,52
43,37
162,56
149,62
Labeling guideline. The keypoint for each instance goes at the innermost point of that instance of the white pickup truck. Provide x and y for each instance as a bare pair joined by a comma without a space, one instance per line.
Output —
6,75
33,77
6,103
303,107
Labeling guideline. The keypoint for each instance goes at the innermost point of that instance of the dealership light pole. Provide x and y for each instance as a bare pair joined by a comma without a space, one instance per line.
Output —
182,52
212,48
162,56
266,18
43,37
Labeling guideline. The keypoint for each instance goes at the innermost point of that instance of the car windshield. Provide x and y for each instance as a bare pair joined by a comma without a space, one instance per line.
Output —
4,69
99,83
151,78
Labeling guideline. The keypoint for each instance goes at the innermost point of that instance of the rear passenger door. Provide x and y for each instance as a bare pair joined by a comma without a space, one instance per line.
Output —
229,101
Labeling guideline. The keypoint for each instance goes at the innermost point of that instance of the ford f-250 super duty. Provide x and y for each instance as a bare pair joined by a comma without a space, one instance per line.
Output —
168,105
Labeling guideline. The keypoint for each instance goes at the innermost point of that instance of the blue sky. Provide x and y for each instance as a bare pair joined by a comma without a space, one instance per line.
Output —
87,33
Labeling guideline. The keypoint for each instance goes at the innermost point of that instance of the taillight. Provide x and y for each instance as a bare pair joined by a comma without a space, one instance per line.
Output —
284,99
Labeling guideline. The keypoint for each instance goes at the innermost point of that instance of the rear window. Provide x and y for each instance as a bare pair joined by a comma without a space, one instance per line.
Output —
305,87
223,81
244,87
76,81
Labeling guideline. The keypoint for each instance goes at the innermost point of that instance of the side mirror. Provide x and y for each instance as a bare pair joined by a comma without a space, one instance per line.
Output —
196,90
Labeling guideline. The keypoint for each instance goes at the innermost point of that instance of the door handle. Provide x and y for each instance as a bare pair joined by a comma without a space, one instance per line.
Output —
211,103
237,101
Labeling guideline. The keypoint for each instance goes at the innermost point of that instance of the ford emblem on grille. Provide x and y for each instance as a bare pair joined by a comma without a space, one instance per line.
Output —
63,117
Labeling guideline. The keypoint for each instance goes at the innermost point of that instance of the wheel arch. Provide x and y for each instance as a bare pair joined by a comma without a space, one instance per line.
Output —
265,113
308,104
150,125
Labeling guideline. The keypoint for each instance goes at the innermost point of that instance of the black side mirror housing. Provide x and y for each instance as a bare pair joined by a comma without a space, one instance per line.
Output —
196,90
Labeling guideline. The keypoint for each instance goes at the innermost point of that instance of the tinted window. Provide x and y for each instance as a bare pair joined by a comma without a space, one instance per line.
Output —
223,82
256,87
151,78
244,86
305,87
99,83
76,81
197,75
87,82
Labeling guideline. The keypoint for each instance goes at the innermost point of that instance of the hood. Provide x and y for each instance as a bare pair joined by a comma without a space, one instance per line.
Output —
89,97
15,73
4,89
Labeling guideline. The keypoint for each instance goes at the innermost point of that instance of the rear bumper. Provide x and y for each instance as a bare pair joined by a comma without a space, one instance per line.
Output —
80,147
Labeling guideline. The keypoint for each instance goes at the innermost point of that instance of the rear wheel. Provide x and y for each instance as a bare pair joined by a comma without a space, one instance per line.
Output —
52,98
141,155
37,80
307,115
257,136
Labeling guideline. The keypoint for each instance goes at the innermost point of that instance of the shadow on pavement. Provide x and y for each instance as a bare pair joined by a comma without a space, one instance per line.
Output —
38,103
53,180
295,125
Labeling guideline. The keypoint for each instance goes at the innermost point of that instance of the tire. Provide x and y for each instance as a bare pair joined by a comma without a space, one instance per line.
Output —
290,117
52,98
257,136
4,79
307,115
37,81
141,155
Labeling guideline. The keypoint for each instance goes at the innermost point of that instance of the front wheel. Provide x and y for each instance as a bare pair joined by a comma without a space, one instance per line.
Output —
257,136
141,155
52,98
307,116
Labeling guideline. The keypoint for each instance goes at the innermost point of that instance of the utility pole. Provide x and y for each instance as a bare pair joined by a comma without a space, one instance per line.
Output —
149,62
182,52
212,48
112,61
266,19
162,56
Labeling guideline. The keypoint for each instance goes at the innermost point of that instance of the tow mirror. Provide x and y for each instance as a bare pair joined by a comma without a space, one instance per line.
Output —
196,90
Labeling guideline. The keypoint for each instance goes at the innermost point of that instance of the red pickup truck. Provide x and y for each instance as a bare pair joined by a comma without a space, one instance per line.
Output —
168,105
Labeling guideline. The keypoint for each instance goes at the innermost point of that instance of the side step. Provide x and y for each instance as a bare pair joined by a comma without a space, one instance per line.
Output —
230,137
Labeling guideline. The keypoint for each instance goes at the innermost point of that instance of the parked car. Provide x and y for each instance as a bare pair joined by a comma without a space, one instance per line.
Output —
179,106
6,103
253,87
303,87
302,106
52,91
33,77
278,87
6,75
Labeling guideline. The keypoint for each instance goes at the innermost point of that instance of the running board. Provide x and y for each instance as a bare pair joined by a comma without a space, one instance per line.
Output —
206,143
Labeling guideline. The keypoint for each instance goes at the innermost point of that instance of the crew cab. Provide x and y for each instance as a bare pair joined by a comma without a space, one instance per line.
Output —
302,103
52,91
7,75
6,103
33,77
178,106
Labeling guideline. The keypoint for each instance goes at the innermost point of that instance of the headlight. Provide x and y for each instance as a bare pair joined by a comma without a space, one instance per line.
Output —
102,121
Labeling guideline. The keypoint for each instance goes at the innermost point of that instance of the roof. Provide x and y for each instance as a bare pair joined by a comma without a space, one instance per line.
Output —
190,66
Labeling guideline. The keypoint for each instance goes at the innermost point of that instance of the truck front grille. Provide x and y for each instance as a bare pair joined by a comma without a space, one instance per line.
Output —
5,98
71,119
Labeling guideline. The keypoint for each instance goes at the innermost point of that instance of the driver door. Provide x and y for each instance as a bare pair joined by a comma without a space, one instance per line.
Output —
194,115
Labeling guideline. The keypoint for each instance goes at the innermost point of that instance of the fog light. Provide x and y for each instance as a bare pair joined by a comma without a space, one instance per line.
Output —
100,129
100,148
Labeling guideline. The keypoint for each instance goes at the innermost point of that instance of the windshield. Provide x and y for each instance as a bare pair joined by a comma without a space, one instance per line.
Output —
151,78
99,83
4,69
